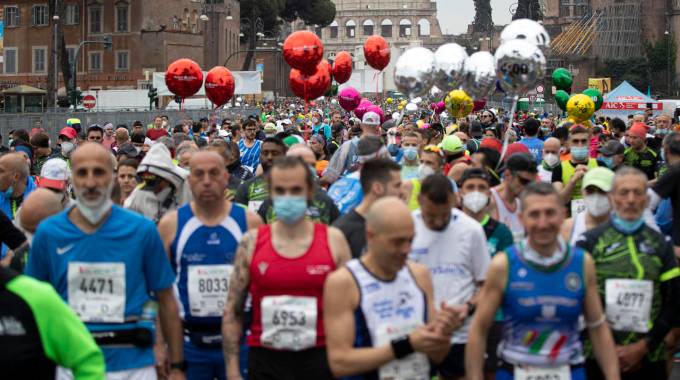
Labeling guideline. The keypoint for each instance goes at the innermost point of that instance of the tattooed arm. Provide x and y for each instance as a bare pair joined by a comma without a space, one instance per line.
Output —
232,319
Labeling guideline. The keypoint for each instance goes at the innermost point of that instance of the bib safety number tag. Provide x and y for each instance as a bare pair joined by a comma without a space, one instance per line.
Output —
629,304
578,206
542,373
208,286
288,322
254,206
412,367
96,291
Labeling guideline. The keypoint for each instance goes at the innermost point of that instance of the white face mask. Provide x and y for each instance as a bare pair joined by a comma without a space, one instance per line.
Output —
551,159
475,201
424,171
95,210
597,204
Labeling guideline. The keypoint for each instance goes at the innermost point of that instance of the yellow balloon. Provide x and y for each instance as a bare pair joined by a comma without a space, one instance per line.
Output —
458,103
420,123
403,102
400,107
389,100
580,107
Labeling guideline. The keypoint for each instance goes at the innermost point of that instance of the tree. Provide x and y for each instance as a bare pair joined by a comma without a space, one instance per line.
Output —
483,22
528,9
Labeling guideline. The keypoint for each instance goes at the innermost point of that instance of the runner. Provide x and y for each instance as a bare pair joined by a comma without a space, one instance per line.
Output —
597,183
542,286
283,267
379,178
200,239
40,332
611,154
254,191
379,312
250,147
104,262
453,247
410,145
530,139
638,154
550,159
638,280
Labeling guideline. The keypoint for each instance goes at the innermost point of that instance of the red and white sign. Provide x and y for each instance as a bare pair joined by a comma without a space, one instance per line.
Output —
630,106
539,89
89,101
532,98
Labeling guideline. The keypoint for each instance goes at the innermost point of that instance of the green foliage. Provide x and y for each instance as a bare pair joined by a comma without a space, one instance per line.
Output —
483,21
312,12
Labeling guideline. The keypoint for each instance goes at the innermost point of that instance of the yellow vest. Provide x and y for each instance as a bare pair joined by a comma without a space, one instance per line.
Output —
415,191
568,171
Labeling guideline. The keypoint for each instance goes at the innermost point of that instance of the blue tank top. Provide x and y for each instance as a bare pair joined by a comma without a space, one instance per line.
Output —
541,309
202,257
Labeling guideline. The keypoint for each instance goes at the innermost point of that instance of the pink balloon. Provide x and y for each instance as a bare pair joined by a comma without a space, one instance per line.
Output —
361,109
349,98
378,110
439,107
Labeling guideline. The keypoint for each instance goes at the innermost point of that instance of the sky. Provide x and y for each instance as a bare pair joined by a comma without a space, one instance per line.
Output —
455,15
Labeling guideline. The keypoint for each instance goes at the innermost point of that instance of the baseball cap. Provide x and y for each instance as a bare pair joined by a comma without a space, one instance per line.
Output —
95,127
474,173
371,118
492,143
476,130
521,162
452,144
600,177
128,150
611,148
68,132
638,130
516,148
270,129
54,174
292,140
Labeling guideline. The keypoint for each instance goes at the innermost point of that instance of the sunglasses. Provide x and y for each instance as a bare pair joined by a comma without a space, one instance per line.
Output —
523,181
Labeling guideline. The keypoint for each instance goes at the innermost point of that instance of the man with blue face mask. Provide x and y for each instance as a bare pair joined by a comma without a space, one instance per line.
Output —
611,154
638,280
410,145
282,267
568,176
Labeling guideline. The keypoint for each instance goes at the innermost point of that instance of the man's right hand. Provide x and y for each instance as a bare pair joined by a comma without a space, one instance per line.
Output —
579,172
428,340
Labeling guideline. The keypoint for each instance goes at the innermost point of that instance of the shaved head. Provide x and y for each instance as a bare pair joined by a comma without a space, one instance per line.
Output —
39,205
304,152
91,151
389,234
388,213
208,178
15,162
206,156
552,142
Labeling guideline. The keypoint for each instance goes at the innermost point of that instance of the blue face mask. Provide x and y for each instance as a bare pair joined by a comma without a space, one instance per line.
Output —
608,161
579,153
410,153
393,149
8,192
290,208
627,226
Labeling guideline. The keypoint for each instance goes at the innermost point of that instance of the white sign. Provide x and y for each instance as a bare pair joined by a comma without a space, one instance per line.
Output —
246,82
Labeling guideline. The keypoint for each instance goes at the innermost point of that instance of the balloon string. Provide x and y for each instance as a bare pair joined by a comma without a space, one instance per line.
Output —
506,138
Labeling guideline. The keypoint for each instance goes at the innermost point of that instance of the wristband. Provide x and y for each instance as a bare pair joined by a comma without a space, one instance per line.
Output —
471,308
402,347
182,366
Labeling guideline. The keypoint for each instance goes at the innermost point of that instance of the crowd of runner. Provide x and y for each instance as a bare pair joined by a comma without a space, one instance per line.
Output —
306,243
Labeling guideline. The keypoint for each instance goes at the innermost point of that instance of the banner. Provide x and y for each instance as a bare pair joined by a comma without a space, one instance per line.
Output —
247,83
604,85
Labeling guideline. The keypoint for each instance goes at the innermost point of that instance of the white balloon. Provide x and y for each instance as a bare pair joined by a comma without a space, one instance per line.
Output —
449,62
414,71
480,75
526,29
519,66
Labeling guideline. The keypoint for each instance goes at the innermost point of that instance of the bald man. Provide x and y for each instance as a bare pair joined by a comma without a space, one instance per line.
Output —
322,209
15,185
214,227
403,335
38,206
105,262
550,158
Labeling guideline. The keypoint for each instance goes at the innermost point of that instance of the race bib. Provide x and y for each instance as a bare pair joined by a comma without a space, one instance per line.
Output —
629,304
288,322
578,206
254,206
412,367
96,291
541,373
208,286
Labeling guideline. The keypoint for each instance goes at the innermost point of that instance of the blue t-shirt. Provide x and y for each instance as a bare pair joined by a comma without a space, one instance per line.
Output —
535,146
125,237
324,128
250,157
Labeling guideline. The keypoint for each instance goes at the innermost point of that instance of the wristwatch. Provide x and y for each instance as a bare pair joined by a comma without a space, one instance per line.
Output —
182,366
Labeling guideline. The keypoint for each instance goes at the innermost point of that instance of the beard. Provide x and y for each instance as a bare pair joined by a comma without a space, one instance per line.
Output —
94,209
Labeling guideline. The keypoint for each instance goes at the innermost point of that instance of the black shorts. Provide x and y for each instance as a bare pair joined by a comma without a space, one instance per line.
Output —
453,364
648,370
493,339
266,364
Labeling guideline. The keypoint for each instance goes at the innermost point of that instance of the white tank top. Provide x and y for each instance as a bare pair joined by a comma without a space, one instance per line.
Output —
391,310
578,228
509,218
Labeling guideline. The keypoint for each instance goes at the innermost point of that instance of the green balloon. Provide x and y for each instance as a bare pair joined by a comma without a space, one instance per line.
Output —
562,79
595,94
562,97
332,91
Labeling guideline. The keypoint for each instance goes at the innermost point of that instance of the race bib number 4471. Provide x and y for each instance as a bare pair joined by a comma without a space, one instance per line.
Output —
288,322
96,291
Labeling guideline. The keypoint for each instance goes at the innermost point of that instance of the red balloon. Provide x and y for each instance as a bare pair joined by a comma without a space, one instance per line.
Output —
479,104
303,50
184,77
219,85
377,52
342,67
311,86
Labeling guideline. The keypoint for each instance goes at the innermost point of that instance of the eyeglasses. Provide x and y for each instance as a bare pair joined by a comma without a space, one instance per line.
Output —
523,181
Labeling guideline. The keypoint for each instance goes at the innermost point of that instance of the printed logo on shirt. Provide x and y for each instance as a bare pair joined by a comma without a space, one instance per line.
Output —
548,312
62,250
371,287
214,239
316,270
404,309
11,326
573,282
522,272
420,251
262,266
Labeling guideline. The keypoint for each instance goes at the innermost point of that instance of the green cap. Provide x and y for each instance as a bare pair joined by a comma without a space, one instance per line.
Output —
600,177
452,144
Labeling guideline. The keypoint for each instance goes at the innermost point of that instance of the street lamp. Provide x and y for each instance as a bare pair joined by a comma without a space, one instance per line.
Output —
55,18
668,70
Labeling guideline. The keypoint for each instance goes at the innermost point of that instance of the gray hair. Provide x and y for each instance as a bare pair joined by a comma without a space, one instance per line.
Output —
626,171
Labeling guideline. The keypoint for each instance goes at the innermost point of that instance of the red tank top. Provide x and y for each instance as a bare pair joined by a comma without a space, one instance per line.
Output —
274,275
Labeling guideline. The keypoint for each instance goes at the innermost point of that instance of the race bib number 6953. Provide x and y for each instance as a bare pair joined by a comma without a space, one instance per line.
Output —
96,291
288,322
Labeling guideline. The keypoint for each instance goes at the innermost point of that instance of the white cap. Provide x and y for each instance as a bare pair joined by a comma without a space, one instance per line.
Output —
370,118
54,174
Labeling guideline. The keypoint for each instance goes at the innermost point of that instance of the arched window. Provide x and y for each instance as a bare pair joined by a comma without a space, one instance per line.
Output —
334,29
386,28
368,28
404,28
423,27
194,21
350,29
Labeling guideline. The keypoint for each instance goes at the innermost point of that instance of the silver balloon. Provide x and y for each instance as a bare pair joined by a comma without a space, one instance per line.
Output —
411,108
519,66
480,75
526,29
449,62
414,72
435,92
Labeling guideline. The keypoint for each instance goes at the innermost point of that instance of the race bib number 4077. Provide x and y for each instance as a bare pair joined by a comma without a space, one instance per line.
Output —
96,291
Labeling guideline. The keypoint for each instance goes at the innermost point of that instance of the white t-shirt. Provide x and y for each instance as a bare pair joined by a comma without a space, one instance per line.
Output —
457,258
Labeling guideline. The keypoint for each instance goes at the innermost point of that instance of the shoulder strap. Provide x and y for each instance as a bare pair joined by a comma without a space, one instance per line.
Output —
6,275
